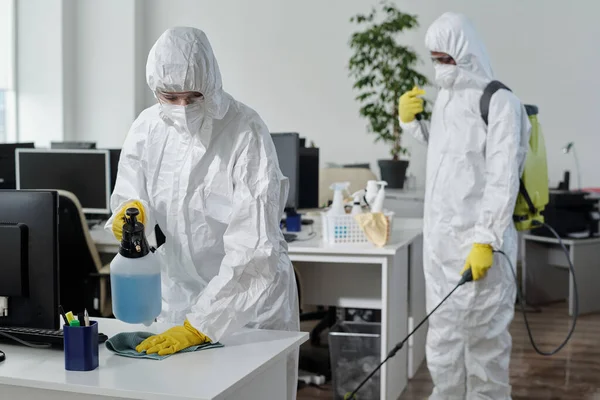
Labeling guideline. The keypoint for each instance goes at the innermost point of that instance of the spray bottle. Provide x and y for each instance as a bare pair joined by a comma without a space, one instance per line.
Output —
371,192
135,276
356,207
337,207
377,206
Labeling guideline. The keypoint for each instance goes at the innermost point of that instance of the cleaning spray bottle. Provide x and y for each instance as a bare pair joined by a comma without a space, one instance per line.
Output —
356,207
371,192
335,227
337,207
377,205
135,276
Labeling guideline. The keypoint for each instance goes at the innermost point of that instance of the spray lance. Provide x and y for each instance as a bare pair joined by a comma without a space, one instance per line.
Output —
468,277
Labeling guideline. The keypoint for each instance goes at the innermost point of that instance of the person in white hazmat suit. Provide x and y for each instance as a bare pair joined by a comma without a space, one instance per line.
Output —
473,173
203,167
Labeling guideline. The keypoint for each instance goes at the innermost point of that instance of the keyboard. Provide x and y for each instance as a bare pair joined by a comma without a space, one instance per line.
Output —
34,335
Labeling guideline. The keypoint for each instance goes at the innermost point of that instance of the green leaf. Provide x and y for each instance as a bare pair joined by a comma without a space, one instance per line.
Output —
383,68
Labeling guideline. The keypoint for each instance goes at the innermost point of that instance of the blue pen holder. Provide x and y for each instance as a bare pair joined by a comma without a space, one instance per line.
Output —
81,347
293,223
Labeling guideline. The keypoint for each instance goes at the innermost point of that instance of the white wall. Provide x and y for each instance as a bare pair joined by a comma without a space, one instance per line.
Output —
546,52
288,61
77,70
40,71
105,90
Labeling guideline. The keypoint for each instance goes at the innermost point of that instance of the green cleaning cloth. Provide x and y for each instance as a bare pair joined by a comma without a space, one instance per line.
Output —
124,344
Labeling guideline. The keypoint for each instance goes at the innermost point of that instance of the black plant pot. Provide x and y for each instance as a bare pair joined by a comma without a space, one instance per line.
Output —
393,172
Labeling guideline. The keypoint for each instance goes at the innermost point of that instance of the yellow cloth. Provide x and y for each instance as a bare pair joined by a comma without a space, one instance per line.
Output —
375,226
119,220
410,105
480,259
173,340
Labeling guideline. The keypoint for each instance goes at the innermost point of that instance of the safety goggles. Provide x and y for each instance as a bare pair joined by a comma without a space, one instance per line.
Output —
443,60
188,97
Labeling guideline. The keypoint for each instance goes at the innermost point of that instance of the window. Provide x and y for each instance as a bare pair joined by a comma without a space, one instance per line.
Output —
7,72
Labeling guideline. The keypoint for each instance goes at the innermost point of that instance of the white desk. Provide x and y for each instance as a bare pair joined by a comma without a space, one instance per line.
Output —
362,276
546,277
252,365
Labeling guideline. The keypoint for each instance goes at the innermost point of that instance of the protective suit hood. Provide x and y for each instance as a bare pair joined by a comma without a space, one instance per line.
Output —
456,36
182,60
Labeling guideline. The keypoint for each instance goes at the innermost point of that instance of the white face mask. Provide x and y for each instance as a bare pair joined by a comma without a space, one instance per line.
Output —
445,75
188,117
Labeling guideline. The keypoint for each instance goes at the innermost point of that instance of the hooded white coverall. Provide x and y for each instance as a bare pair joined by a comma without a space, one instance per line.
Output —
215,189
472,184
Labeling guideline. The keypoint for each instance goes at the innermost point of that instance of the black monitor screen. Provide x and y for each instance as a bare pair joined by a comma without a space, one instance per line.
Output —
85,173
7,163
115,154
287,146
29,232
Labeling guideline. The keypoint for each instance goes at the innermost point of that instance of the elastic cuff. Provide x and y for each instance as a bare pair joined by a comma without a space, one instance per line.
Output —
195,331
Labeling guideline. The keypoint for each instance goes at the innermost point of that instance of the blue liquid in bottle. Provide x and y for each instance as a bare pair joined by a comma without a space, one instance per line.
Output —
136,298
135,276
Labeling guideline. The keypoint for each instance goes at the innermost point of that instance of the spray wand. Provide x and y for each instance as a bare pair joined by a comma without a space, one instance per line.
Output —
468,277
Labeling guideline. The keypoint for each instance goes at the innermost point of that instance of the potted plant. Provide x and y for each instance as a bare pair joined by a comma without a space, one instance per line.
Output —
384,69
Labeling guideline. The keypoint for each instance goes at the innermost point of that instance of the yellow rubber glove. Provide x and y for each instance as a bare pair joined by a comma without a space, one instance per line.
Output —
173,340
410,105
119,221
480,259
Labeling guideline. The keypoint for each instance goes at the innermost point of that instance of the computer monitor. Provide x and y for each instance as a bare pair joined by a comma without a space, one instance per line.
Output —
287,146
73,145
29,258
308,198
7,163
85,173
115,154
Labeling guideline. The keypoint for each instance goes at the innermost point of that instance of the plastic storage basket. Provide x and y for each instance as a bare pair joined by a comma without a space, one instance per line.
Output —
343,229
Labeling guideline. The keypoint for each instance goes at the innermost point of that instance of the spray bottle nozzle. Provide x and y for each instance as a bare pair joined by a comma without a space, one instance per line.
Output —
133,242
131,214
337,207
340,186
358,196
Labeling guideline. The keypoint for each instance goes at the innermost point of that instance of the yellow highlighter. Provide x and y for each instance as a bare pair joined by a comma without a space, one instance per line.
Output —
70,317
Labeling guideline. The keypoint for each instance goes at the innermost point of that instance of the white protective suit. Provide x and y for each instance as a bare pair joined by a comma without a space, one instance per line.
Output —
215,189
472,184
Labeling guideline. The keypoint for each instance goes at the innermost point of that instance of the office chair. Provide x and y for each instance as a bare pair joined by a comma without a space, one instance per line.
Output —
83,280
